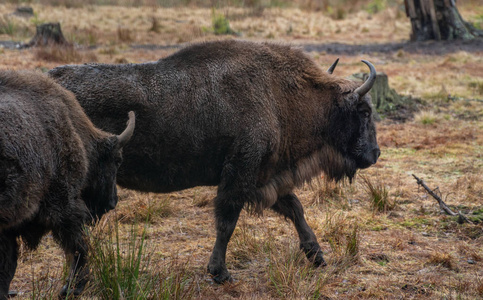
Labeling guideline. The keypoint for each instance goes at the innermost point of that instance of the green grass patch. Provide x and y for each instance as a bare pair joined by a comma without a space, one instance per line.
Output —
121,270
415,222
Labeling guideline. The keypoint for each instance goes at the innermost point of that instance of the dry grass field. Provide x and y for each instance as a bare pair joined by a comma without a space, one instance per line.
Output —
383,236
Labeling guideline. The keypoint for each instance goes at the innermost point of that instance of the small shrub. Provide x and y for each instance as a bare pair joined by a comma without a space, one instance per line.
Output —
220,23
35,20
478,24
376,6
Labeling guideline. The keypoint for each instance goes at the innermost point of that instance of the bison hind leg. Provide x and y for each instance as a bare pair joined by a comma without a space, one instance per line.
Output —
290,207
8,261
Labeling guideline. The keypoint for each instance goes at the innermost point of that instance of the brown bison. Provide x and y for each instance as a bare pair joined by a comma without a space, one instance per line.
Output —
57,171
255,119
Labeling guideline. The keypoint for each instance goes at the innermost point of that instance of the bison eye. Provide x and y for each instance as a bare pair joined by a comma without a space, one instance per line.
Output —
365,113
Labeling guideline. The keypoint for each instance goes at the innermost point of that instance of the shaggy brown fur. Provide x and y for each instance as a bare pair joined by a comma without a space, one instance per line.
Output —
56,171
256,119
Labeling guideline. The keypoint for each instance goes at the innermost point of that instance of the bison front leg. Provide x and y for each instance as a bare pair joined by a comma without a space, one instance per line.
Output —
8,262
226,217
73,242
290,207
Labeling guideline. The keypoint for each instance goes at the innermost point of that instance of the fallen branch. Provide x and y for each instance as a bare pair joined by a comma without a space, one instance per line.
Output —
461,218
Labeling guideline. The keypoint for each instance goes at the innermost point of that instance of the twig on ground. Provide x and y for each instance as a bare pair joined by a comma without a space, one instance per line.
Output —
461,218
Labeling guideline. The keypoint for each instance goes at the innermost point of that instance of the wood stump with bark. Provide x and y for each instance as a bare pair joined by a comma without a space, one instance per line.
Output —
387,101
438,20
48,34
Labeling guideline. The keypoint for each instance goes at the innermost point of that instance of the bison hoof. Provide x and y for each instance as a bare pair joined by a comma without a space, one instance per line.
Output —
11,294
314,253
220,276
318,260
66,291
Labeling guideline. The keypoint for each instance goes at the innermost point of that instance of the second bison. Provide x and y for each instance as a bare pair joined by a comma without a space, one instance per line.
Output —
255,119
57,171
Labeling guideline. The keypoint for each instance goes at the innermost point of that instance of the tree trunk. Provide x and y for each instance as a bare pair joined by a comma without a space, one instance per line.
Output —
438,20
48,34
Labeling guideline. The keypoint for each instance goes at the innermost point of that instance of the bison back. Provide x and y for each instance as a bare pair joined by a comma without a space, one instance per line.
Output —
35,140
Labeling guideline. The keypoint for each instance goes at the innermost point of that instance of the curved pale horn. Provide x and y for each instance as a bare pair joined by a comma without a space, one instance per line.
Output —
366,86
126,135
331,69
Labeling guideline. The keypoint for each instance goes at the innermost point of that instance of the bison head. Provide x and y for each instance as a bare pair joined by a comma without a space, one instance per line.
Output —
352,124
100,193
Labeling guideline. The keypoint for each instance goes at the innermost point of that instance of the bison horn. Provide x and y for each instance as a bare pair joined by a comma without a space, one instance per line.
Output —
126,135
331,69
366,86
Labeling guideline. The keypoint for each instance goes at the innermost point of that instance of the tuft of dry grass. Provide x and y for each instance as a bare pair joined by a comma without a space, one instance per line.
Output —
378,195
328,192
124,34
247,244
291,276
145,207
427,117
343,235
63,54
443,259
479,286
155,25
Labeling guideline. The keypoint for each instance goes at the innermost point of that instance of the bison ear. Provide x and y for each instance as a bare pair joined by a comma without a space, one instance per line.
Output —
126,135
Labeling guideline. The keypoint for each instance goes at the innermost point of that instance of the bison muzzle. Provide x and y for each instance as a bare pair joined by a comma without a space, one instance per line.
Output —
57,172
255,119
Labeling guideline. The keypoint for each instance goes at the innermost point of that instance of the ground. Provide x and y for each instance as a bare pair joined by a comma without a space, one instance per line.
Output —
382,235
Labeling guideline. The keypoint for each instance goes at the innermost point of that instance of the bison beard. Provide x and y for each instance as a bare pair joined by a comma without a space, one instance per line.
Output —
256,119
50,154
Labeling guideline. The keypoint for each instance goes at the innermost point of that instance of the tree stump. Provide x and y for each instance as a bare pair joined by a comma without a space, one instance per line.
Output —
382,95
438,20
24,11
387,101
48,34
